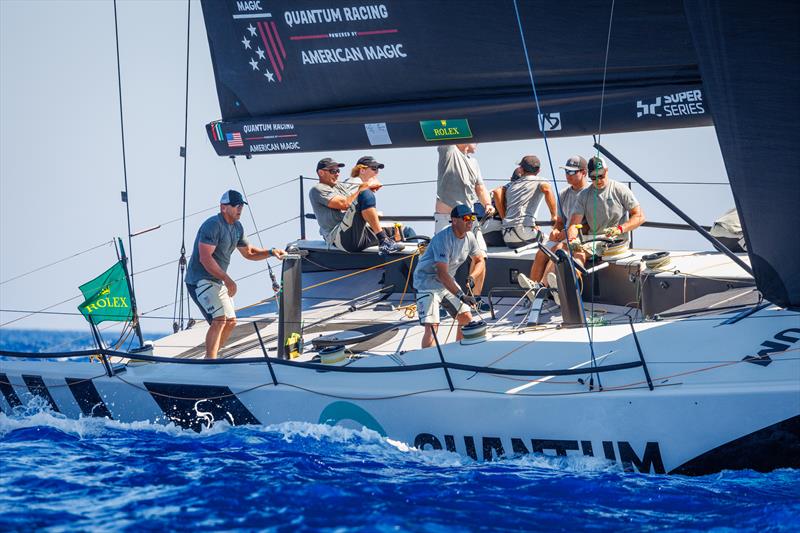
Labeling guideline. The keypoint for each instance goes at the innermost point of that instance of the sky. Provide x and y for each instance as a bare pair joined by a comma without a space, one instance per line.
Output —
61,165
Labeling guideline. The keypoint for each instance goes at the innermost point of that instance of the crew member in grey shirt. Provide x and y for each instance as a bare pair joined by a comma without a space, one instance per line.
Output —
434,276
459,181
575,173
610,209
347,213
523,194
207,280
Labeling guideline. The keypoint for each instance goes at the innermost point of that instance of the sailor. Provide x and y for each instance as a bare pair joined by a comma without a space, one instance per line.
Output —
523,194
610,209
433,277
207,281
346,213
575,173
365,169
459,181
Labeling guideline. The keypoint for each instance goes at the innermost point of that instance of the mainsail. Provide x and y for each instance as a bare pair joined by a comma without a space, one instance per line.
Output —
401,73
297,77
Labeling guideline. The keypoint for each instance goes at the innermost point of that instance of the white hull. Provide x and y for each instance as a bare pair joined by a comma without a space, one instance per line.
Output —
709,410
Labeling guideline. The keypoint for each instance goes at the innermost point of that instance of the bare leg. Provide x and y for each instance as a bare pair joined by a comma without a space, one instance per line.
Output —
213,337
463,319
427,337
230,324
479,278
372,219
539,264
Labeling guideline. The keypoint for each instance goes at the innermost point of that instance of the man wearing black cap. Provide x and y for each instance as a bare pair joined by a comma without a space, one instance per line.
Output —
347,214
433,277
523,194
207,280
575,173
610,209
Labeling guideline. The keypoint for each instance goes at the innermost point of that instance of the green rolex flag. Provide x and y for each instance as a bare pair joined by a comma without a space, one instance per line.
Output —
107,297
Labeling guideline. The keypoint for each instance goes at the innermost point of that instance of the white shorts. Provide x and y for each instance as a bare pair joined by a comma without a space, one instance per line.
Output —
442,220
213,296
428,303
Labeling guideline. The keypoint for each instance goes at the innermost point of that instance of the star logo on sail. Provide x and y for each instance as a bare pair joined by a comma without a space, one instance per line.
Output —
264,49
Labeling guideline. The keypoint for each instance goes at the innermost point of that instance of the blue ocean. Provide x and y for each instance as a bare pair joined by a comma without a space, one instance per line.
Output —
96,474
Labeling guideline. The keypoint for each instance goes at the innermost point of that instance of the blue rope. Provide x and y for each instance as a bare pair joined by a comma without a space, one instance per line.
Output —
552,173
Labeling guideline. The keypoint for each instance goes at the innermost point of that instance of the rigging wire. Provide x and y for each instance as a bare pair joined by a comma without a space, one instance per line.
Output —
122,135
57,262
552,172
605,70
599,134
40,311
178,309
276,287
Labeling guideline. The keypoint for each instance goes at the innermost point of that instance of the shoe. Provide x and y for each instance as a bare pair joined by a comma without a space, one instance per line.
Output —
552,282
389,246
529,285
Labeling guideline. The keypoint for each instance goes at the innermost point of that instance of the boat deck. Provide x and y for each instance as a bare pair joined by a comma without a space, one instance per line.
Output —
373,317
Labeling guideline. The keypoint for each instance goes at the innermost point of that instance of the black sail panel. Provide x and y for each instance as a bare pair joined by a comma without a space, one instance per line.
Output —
751,77
322,75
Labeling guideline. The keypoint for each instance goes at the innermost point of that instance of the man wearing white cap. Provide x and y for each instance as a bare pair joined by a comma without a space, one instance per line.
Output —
207,280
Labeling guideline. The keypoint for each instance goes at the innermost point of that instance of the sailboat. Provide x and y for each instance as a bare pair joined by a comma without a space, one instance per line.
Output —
690,369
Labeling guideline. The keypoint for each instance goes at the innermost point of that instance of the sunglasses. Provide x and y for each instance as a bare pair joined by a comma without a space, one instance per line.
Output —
333,170
469,218
571,172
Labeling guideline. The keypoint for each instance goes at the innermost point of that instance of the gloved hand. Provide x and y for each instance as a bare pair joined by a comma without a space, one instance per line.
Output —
575,245
470,282
468,299
613,231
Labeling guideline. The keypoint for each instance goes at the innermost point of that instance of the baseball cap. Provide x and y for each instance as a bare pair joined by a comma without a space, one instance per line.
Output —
460,210
369,161
575,162
597,166
327,162
530,163
232,197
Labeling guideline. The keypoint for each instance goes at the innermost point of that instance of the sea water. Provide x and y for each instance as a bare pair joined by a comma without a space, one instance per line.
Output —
97,474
